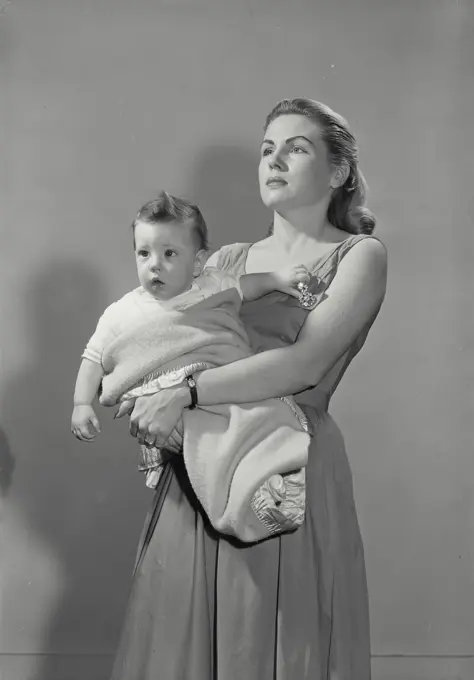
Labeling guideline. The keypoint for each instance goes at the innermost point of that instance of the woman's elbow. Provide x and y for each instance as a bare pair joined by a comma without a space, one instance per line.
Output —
307,372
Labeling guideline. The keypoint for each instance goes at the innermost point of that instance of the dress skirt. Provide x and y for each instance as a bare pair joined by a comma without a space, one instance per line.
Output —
293,607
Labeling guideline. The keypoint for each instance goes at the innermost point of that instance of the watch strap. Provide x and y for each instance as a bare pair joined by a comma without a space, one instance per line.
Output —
193,389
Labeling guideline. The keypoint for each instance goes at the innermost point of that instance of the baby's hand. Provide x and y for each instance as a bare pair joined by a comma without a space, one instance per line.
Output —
288,278
84,423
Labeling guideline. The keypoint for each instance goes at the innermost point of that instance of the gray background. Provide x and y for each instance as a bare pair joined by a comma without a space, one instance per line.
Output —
105,102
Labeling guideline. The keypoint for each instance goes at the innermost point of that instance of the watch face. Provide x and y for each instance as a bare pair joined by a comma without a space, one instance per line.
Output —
191,382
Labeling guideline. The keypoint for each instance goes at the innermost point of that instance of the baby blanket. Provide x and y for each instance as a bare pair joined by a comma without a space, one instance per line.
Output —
245,462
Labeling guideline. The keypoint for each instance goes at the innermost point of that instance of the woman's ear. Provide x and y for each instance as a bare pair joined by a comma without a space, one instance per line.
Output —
341,173
199,262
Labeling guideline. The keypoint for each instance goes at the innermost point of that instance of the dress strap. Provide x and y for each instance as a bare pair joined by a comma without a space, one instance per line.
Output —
350,242
332,260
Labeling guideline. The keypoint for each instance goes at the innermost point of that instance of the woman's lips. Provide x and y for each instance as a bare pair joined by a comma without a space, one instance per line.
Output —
276,181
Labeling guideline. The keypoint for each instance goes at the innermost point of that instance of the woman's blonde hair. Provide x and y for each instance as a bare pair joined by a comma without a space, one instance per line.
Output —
347,209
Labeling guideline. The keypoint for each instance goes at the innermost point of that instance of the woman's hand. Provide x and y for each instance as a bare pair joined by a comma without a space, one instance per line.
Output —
154,417
288,278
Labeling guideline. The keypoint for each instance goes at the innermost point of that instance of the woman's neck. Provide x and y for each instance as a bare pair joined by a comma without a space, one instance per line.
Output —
304,229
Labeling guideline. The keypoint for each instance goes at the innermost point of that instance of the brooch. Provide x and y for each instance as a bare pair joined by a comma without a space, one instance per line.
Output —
306,299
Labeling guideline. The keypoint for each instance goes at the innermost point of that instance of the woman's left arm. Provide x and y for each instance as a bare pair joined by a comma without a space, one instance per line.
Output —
351,301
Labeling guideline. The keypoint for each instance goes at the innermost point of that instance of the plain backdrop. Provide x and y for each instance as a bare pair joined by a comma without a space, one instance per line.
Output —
105,102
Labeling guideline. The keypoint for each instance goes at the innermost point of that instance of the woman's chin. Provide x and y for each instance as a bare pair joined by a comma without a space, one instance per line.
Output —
273,201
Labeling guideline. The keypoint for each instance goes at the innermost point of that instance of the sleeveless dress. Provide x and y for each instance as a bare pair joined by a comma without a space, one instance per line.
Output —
293,607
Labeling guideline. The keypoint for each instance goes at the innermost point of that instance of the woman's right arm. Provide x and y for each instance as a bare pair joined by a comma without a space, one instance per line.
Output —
351,302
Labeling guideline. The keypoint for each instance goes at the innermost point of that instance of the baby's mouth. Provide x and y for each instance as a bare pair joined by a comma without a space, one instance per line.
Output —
155,281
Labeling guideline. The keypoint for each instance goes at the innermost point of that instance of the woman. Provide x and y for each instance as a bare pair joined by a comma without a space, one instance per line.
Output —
293,607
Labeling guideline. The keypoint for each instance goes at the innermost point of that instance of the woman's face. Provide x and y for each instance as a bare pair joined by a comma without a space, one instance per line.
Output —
294,169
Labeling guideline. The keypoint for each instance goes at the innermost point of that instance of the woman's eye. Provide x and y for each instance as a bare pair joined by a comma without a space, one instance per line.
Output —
298,149
266,151
170,253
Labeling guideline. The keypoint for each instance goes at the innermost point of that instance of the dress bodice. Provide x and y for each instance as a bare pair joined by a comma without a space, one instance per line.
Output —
276,319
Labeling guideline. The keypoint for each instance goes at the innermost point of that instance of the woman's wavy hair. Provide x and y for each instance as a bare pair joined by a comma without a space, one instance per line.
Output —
347,209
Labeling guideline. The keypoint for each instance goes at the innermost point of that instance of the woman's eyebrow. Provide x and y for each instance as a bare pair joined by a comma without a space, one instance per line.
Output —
289,140
293,139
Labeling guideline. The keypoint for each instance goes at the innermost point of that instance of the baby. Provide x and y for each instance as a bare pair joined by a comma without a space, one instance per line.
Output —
184,318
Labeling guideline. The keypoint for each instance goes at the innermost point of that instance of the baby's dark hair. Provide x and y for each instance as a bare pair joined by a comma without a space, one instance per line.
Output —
167,208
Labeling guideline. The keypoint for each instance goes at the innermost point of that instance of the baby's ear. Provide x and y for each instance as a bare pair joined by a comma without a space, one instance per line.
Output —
200,261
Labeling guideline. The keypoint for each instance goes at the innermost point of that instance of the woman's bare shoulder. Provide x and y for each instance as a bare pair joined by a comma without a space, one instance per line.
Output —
369,249
364,264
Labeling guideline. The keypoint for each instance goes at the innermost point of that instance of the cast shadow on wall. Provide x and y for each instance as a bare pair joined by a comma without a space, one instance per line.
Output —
70,495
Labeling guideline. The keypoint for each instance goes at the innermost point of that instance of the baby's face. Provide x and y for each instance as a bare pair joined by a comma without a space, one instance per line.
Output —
166,257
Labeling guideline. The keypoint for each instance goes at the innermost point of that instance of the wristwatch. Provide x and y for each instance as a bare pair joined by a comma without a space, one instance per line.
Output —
193,389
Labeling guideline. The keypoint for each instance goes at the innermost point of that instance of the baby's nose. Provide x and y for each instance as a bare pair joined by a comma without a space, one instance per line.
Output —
155,264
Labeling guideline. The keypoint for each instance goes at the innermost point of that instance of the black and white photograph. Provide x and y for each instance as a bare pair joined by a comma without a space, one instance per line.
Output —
237,340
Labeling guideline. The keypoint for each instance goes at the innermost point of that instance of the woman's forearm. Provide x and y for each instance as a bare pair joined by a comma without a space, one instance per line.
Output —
254,286
274,373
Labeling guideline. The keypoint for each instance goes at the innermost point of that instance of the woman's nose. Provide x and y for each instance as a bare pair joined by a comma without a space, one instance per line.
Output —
276,161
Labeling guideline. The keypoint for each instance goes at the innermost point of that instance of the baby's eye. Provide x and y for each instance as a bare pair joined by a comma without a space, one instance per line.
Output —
170,253
143,253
